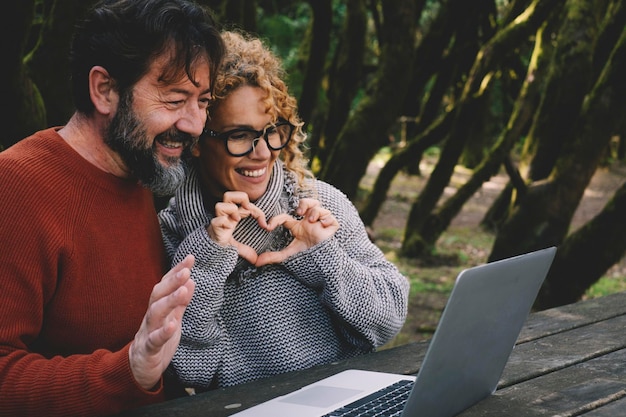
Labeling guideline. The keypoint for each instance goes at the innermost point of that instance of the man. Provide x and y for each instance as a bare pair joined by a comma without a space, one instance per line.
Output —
89,315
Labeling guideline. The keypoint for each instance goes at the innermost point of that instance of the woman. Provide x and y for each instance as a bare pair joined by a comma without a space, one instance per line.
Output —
286,277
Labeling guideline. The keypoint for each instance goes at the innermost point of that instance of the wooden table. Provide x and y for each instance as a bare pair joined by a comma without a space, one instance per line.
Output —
568,361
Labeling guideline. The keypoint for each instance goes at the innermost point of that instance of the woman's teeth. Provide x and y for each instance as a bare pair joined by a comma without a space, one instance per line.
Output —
255,173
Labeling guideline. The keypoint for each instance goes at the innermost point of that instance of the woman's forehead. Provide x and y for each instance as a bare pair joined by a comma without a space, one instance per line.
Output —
242,106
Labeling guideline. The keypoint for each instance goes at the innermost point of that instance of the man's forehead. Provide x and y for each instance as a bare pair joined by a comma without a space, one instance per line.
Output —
168,68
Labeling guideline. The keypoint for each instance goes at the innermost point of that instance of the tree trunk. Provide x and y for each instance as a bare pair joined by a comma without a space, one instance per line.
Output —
49,64
586,255
434,134
430,129
497,214
413,244
366,131
241,13
560,103
438,221
344,79
487,60
24,112
547,222
589,252
318,44
431,57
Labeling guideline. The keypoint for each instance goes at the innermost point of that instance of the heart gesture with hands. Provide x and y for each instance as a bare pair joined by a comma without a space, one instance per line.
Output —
228,213
316,225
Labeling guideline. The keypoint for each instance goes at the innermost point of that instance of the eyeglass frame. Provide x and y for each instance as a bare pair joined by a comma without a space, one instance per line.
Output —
258,135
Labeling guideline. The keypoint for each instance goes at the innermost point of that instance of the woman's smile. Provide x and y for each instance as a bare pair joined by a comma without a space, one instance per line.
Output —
252,173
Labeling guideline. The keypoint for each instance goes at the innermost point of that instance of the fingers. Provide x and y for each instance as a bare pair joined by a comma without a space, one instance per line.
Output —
313,211
267,258
244,207
221,229
174,279
328,220
159,333
169,299
318,224
283,219
306,233
307,207
165,317
246,252
228,213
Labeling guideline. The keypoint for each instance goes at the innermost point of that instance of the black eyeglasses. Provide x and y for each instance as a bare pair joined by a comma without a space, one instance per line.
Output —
240,142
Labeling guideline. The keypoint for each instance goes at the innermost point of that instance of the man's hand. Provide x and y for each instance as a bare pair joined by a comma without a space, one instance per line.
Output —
158,337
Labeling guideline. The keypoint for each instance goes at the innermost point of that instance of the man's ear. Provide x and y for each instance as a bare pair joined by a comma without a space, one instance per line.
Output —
102,91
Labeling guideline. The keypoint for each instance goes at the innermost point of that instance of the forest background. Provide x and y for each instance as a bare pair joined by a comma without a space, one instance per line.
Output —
428,103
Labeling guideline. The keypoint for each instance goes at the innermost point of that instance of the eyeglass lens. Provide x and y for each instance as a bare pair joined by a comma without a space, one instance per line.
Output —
242,141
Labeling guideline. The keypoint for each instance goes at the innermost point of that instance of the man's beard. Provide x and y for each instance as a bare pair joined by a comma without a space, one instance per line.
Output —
127,136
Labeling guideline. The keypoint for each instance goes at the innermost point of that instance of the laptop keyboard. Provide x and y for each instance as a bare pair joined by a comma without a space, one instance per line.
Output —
386,402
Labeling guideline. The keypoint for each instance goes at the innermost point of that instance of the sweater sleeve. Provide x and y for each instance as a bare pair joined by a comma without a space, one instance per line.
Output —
95,384
356,282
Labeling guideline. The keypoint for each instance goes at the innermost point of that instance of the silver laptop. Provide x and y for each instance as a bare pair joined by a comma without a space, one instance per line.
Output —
477,331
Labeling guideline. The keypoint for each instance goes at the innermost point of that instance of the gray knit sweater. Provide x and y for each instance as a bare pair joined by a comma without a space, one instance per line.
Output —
338,299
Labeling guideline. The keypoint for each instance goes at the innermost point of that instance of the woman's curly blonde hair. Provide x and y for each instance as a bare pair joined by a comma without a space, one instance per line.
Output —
249,62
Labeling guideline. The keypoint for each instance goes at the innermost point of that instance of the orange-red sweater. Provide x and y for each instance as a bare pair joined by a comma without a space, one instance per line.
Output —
80,251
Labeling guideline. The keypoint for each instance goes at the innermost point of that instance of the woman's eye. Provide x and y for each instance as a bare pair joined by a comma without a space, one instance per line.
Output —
239,136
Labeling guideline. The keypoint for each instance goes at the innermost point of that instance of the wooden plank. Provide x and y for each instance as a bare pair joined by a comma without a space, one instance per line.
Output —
611,409
571,391
550,353
567,317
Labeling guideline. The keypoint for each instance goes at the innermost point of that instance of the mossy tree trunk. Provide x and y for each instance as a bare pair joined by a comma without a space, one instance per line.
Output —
366,131
586,255
580,143
344,80
241,13
487,61
543,216
435,133
24,111
439,219
443,57
316,49
49,64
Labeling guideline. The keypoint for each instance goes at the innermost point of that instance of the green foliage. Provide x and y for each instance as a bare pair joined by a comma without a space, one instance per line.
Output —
285,33
607,285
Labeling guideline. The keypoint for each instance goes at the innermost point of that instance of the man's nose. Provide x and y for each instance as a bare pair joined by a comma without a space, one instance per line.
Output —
193,119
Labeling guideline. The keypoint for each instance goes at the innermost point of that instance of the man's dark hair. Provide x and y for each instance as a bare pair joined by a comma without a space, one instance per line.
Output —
126,36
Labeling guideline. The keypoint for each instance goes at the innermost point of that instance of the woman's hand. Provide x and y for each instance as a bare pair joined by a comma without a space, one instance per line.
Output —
317,224
228,214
